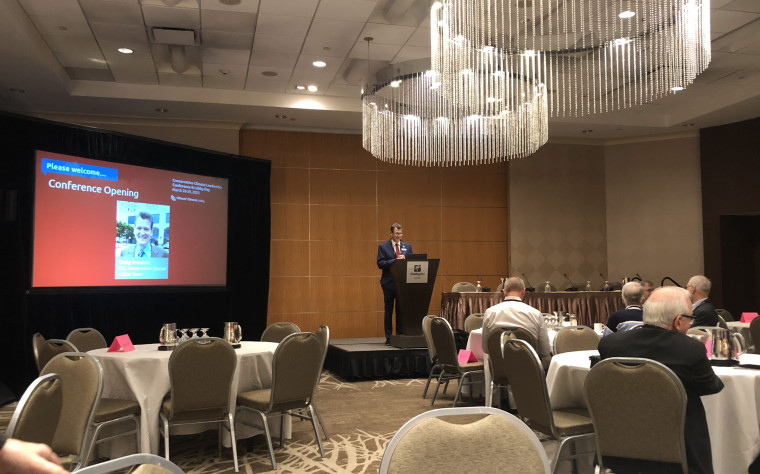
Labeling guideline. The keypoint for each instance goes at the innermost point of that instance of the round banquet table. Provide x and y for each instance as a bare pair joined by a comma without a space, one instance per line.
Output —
143,375
733,414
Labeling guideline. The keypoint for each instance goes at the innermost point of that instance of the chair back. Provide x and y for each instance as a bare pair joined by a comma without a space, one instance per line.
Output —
148,464
725,314
426,322
276,332
575,338
445,346
526,377
463,286
323,333
722,322
754,332
638,407
35,418
82,383
473,321
87,339
428,443
200,374
494,350
296,367
46,349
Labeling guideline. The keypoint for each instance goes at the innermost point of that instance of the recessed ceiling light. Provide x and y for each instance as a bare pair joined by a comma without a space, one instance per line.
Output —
161,110
63,28
626,14
301,88
269,73
230,2
588,130
16,90
126,50
224,72
319,64
312,88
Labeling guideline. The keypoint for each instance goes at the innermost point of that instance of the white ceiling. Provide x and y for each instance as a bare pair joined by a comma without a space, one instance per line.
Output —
244,59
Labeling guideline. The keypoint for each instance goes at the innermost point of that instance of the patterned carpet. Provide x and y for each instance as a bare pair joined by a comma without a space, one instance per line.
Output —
361,417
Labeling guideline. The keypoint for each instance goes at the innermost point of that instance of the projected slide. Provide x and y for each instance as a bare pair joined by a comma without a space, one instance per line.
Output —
99,223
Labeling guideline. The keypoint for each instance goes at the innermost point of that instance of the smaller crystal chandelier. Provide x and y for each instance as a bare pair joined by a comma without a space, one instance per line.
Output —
408,120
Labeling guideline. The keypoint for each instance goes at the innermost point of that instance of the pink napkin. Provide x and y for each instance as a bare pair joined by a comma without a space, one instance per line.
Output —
708,346
466,356
121,344
748,317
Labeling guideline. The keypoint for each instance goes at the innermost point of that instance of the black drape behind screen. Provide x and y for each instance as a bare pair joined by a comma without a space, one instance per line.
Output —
138,311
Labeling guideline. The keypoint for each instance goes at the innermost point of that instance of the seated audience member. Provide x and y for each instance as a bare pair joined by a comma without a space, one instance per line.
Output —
20,457
632,295
648,288
513,312
667,317
704,311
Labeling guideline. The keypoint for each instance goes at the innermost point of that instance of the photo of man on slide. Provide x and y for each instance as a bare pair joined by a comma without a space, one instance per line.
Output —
143,230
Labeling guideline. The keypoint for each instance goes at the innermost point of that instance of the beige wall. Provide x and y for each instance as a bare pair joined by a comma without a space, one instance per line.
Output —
654,209
557,215
333,203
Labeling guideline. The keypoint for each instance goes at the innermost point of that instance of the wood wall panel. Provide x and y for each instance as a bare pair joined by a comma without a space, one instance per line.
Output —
474,189
475,258
288,295
420,223
467,223
343,294
290,221
343,187
343,222
343,258
399,188
289,258
289,186
284,149
333,151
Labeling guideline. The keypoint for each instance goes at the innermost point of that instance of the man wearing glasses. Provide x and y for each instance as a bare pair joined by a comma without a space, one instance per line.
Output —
667,316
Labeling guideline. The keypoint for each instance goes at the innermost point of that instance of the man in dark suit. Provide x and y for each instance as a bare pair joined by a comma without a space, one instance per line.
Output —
662,337
704,311
632,295
143,234
387,253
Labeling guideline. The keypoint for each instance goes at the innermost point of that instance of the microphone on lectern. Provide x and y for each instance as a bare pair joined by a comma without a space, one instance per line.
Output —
572,285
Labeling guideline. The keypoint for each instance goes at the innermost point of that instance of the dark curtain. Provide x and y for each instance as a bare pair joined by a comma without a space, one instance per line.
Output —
137,311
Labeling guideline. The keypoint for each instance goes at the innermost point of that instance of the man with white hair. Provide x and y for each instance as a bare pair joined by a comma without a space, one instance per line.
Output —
704,311
632,294
662,337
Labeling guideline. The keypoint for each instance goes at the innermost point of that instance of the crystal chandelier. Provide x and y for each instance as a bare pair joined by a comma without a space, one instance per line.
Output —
408,120
598,55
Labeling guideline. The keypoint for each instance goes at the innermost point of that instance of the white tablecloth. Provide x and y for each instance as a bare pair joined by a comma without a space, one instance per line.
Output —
143,375
733,414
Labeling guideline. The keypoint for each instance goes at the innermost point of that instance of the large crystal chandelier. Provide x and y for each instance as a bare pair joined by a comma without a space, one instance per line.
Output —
408,120
598,55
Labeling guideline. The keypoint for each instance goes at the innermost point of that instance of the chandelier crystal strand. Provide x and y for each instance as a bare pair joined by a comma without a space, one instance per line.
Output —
600,55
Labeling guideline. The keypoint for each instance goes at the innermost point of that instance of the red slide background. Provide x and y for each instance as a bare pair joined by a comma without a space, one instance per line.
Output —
75,231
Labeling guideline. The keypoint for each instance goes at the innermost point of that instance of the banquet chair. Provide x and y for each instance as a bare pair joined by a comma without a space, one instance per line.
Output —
435,367
754,333
147,464
323,333
463,287
276,332
699,334
494,345
496,442
638,407
526,377
473,321
205,399
725,314
35,418
82,383
445,349
46,349
722,322
87,339
296,365
575,338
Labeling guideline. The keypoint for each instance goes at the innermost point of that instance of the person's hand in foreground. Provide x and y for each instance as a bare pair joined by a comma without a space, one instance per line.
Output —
21,457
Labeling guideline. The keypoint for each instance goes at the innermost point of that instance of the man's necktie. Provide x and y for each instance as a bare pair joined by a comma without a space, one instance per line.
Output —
398,252
142,253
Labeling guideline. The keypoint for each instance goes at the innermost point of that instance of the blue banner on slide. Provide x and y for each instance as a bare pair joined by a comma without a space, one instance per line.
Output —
141,268
76,169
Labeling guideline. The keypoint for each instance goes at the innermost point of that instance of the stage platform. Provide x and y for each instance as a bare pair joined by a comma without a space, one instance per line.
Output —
369,358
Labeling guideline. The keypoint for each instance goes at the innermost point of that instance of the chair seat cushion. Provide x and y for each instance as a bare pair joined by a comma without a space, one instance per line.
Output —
208,414
111,408
256,399
572,421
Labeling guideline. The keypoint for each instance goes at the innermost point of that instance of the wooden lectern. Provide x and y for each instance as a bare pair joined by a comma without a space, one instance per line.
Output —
414,280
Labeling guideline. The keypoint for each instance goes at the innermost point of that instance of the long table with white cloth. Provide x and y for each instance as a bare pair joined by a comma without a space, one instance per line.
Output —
143,375
733,414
